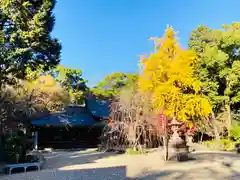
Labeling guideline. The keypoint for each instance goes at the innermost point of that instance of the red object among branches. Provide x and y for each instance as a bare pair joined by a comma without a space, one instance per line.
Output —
163,122
188,131
192,131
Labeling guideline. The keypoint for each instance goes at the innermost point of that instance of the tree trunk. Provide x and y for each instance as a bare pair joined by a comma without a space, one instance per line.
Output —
216,133
229,119
165,146
201,139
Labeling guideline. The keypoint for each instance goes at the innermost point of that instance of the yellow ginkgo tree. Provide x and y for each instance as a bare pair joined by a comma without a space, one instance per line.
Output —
168,75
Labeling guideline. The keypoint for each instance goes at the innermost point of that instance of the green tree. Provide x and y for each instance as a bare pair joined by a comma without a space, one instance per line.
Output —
27,27
111,85
198,38
219,65
71,80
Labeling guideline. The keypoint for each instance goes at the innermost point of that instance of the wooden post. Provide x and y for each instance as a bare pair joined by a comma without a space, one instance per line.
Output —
165,144
164,124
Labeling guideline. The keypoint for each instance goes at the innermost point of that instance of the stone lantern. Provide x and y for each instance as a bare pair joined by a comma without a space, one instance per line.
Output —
176,143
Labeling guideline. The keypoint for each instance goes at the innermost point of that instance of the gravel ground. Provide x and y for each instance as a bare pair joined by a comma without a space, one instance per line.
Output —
90,165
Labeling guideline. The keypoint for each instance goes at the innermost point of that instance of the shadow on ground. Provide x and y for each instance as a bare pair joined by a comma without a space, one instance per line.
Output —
198,173
214,166
77,165
110,173
120,173
61,159
214,155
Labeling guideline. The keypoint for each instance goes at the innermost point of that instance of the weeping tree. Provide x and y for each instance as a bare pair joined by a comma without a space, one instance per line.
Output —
132,121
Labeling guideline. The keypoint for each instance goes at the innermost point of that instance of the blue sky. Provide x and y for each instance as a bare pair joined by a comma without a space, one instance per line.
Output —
104,36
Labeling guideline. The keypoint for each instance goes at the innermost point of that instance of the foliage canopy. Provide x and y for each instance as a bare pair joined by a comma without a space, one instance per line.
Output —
112,84
168,74
218,66
27,42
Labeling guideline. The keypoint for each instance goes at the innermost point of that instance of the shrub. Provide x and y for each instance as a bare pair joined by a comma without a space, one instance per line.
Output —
132,151
14,147
235,132
223,144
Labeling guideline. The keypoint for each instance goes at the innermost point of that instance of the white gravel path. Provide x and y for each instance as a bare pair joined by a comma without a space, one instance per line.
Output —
80,165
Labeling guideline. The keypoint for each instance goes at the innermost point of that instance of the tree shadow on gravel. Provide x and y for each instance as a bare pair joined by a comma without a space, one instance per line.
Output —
109,173
200,171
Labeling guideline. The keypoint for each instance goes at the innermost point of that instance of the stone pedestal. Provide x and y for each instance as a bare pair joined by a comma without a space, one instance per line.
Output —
189,141
178,150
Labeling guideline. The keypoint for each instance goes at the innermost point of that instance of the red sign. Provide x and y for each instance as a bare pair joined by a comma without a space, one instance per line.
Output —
163,122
